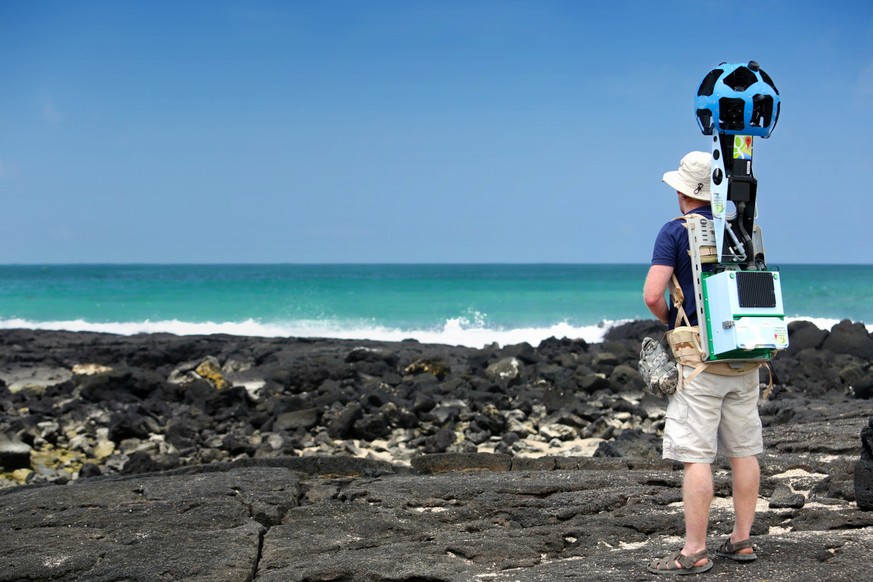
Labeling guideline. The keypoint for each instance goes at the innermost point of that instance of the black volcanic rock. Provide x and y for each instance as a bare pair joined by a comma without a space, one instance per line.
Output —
805,335
864,469
257,480
850,338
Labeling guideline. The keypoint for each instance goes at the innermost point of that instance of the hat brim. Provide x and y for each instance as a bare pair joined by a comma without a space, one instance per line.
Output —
677,183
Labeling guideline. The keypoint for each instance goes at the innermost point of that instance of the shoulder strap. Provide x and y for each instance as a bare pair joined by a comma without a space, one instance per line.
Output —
676,292
708,254
678,297
692,215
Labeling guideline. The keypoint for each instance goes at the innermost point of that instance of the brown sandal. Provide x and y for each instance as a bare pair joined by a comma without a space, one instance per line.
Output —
730,550
667,564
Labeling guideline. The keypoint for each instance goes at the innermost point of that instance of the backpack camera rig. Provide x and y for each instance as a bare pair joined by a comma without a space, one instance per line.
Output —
739,300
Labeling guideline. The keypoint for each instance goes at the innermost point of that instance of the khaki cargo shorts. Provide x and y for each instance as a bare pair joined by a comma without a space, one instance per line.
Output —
713,415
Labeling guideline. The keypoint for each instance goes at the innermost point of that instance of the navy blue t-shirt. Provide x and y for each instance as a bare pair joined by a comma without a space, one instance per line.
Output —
671,250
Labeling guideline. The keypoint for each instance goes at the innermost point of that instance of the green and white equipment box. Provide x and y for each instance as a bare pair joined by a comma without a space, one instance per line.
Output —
744,315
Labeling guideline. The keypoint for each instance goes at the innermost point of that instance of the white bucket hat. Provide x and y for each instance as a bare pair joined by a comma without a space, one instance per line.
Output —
692,177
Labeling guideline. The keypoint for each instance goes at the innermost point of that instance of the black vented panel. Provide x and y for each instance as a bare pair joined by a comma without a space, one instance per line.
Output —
755,289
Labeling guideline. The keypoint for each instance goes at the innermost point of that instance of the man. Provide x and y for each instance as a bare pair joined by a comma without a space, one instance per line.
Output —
712,414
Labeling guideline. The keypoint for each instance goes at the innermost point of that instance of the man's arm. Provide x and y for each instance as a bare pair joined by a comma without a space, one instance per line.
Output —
654,290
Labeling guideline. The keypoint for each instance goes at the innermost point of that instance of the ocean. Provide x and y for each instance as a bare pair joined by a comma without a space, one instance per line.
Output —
458,304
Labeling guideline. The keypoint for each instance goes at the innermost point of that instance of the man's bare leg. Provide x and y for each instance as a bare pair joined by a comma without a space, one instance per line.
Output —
746,481
697,499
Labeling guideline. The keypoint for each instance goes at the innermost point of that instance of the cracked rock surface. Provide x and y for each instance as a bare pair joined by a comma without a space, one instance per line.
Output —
454,518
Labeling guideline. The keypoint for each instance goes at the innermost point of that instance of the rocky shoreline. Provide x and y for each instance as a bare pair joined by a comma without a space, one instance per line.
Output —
95,404
360,447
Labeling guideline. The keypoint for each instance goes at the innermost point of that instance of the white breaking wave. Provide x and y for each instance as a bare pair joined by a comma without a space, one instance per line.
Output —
455,331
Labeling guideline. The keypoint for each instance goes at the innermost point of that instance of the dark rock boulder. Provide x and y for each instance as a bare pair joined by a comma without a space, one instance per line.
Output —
374,362
550,349
129,423
859,380
181,434
784,498
625,378
864,469
523,351
850,338
439,442
804,335
143,462
636,331
434,367
813,374
506,370
121,384
14,454
340,422
557,399
631,443
292,420
591,382
371,426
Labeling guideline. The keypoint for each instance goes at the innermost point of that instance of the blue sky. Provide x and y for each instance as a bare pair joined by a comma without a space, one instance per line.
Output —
413,131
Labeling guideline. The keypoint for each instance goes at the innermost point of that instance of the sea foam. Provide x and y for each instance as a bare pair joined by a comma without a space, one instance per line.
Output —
455,331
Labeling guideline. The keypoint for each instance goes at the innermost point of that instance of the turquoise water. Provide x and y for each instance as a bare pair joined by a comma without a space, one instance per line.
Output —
457,304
